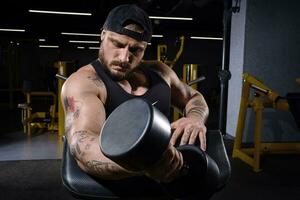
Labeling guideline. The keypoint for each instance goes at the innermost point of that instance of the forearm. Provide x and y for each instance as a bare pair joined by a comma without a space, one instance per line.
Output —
85,148
197,107
107,170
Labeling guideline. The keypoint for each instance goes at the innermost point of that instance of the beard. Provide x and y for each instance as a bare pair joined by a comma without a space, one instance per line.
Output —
116,76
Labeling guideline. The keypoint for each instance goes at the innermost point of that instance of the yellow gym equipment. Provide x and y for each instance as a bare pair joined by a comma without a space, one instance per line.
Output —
263,98
190,73
162,53
62,73
298,80
32,119
51,119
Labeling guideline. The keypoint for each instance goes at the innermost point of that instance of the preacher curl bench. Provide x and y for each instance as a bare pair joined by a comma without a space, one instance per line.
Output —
83,186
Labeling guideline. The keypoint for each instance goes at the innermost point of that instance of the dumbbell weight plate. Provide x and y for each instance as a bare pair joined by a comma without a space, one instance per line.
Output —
135,135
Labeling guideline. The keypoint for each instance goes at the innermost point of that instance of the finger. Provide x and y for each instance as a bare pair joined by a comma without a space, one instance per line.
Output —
193,136
176,134
185,137
202,138
175,167
164,169
169,170
168,155
174,124
163,161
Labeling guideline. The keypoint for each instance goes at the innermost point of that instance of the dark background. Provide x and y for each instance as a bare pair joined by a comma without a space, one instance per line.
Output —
21,59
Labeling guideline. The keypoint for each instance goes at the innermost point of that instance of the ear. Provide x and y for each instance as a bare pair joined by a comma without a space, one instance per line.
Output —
102,35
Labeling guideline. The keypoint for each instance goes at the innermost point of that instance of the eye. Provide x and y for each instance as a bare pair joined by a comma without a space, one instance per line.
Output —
135,50
117,44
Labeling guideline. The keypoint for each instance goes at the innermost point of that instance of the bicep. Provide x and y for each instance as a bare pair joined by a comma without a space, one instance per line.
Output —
84,111
91,115
83,114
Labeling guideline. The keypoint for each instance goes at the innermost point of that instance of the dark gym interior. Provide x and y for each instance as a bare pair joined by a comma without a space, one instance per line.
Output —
244,51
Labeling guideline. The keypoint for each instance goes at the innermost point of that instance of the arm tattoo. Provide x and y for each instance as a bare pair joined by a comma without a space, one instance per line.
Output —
69,103
197,107
96,80
76,151
82,146
104,168
197,111
76,113
72,106
81,137
97,166
197,102
83,132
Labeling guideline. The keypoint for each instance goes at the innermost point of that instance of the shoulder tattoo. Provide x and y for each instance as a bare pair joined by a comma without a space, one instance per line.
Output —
96,80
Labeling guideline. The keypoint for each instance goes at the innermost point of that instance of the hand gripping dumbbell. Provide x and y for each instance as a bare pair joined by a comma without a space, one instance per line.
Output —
136,134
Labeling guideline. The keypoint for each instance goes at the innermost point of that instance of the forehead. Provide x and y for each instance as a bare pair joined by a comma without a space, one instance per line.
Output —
125,39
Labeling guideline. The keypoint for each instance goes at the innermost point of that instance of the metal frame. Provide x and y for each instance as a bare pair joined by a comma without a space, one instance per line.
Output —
62,74
264,97
29,117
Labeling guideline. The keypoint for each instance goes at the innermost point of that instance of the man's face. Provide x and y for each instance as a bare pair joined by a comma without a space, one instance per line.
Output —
120,54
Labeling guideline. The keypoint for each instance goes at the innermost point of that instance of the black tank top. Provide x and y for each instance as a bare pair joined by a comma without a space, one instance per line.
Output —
158,94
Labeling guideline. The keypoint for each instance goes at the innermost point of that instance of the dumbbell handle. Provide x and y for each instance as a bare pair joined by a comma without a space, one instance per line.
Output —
198,167
186,152
184,169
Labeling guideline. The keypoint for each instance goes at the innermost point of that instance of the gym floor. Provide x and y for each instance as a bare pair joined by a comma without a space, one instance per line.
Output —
42,145
30,169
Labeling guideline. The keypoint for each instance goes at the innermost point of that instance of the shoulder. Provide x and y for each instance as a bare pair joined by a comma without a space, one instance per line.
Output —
161,68
84,81
81,77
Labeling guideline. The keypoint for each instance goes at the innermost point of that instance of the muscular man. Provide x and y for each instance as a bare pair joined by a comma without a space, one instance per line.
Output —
90,94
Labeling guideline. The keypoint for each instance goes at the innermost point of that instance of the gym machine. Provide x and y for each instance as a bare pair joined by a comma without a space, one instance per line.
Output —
211,176
51,118
32,119
162,53
263,98
298,80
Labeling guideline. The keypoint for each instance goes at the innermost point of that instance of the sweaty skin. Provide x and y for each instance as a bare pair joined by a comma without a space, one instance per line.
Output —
84,95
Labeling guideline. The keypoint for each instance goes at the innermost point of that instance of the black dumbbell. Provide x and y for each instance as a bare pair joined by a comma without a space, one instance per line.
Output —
136,134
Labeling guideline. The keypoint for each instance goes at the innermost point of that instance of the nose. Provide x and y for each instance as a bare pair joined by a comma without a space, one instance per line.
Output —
124,55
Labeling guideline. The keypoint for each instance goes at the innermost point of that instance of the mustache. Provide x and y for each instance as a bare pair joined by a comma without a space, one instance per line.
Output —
122,64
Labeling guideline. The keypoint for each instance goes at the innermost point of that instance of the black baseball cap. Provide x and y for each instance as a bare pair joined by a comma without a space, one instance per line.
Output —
122,15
